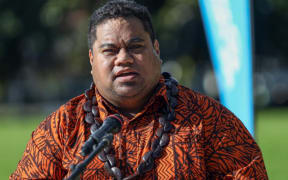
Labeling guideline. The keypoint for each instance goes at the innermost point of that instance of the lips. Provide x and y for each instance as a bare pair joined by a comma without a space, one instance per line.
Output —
126,75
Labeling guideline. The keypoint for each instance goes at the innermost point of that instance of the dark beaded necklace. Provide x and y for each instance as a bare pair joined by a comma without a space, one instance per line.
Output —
162,134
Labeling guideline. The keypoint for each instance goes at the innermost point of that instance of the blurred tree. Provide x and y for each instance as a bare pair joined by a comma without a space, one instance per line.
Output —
42,45
271,27
44,55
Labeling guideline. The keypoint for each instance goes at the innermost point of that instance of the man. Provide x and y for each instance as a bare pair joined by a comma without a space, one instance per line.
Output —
168,131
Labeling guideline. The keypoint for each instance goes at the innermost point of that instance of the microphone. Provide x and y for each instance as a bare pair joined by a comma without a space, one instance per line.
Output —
77,169
112,124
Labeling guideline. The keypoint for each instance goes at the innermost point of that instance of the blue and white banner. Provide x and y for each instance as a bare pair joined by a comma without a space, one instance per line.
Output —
228,31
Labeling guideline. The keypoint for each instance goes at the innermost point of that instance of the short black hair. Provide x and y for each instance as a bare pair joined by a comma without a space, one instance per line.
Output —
119,8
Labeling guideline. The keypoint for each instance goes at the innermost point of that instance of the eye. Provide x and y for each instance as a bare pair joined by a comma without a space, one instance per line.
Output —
109,51
135,48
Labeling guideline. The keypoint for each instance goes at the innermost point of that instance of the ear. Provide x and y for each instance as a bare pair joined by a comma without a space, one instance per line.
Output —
91,56
156,47
156,50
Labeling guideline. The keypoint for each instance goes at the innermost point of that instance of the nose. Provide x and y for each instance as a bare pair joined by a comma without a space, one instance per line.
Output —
124,58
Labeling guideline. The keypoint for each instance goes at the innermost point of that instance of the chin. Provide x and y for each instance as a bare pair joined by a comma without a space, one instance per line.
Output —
128,91
127,94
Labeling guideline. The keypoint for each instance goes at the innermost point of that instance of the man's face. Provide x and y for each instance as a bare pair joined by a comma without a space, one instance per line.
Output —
125,63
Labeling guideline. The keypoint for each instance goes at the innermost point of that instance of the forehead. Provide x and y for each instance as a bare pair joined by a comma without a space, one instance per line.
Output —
119,29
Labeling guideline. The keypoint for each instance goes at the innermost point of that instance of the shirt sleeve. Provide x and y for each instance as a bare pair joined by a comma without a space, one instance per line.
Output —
42,157
231,152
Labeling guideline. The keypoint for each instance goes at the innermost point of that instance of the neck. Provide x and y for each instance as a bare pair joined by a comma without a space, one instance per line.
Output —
131,106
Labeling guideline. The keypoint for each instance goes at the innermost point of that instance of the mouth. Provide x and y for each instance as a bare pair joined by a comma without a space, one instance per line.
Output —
126,75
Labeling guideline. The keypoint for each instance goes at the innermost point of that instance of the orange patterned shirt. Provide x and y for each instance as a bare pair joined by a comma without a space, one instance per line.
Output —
208,142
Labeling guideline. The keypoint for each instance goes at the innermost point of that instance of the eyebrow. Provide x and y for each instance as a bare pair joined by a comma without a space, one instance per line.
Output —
133,40
107,45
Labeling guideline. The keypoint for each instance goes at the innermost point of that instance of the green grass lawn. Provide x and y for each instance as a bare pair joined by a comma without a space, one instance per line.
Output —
271,133
272,137
15,131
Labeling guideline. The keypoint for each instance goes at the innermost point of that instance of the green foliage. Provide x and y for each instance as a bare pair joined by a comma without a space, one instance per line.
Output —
10,25
43,44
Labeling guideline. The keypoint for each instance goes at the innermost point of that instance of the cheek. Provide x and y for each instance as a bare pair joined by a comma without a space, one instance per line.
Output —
154,64
148,60
101,70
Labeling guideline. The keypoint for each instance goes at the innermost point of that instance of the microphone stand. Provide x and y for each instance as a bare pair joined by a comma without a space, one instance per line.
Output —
107,139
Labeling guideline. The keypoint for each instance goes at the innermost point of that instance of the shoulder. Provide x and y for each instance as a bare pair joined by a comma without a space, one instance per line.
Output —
73,108
202,109
65,119
196,101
